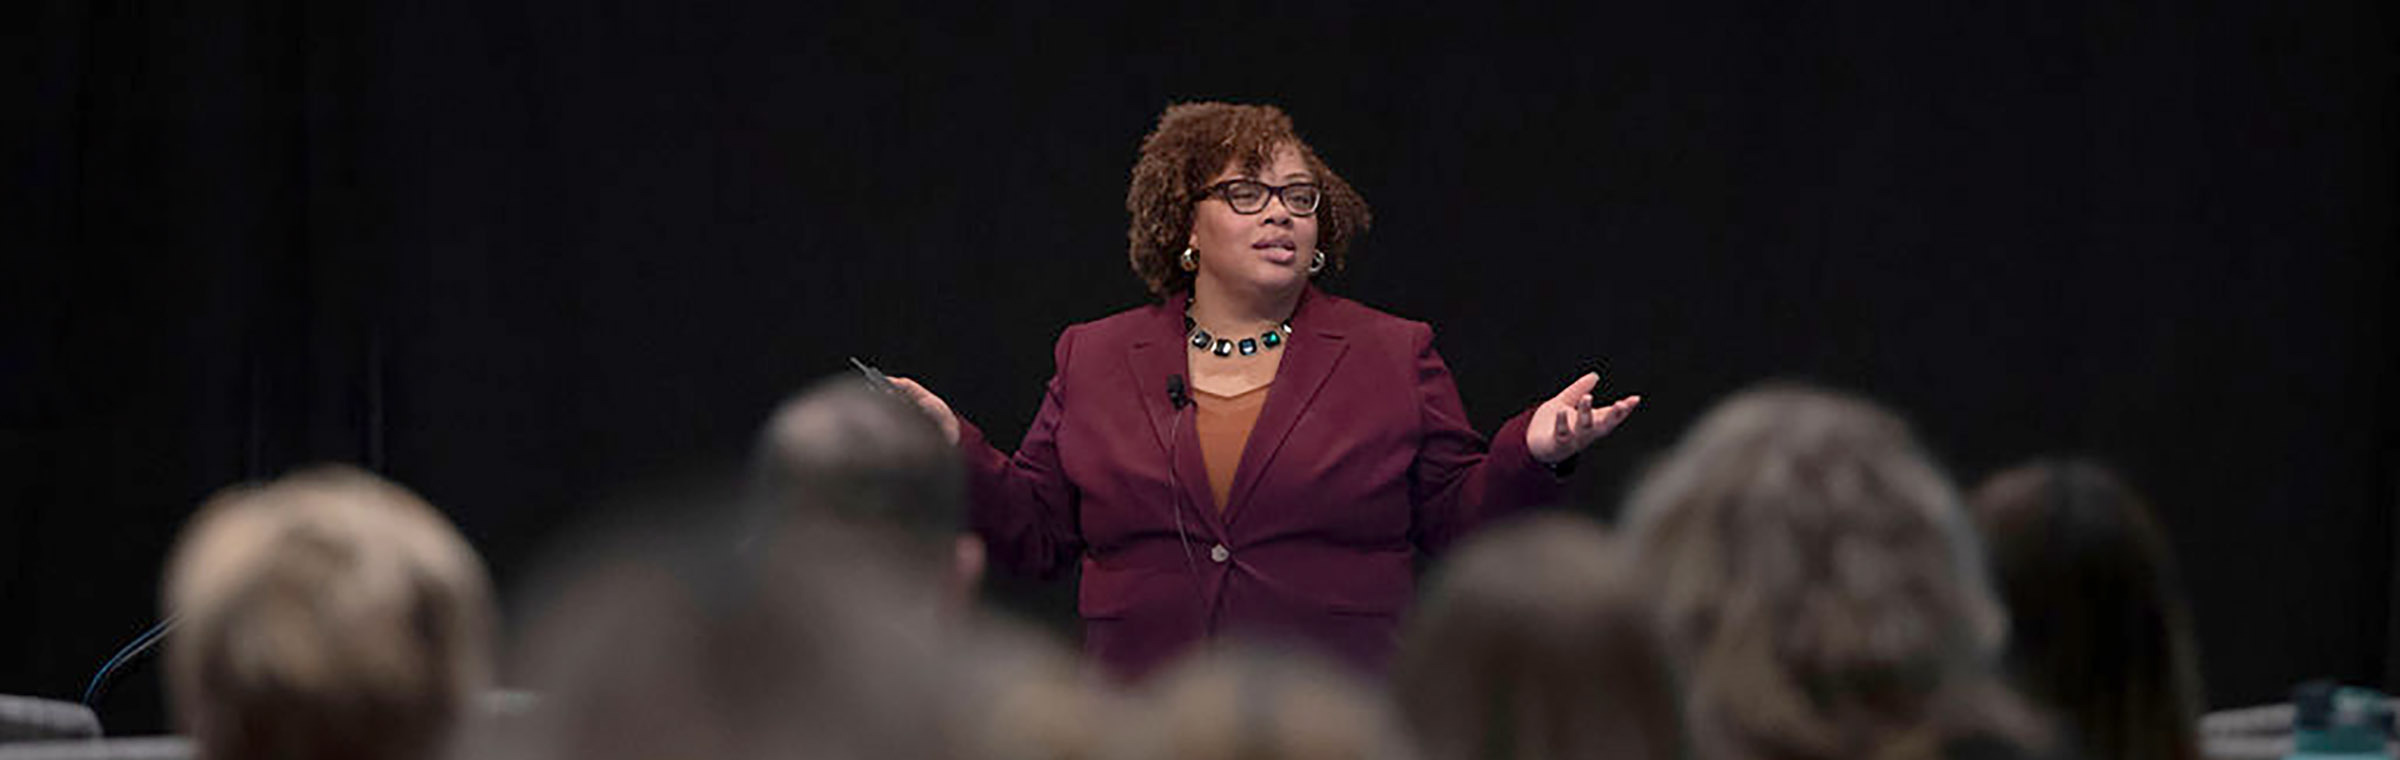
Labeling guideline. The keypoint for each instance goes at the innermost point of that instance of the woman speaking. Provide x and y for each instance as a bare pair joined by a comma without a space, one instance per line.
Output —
1252,455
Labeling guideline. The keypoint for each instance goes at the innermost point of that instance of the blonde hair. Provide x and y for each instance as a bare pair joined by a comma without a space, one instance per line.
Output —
1535,642
327,614
1242,701
1820,585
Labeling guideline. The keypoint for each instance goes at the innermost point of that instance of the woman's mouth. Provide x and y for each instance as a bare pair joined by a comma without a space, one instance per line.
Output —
1277,250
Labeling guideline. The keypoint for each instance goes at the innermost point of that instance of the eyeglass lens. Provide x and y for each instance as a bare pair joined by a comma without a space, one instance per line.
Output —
1251,197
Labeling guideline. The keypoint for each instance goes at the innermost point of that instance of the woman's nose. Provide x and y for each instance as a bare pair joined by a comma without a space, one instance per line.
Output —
1277,213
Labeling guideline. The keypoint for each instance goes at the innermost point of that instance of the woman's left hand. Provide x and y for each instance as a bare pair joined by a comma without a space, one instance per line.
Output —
1567,423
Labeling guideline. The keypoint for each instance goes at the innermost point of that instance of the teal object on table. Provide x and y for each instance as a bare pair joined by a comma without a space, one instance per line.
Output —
2332,722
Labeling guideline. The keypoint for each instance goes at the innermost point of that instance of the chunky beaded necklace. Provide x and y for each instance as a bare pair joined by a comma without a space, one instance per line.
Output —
1222,347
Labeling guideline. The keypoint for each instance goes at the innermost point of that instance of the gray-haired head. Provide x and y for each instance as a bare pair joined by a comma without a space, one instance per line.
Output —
846,452
1819,581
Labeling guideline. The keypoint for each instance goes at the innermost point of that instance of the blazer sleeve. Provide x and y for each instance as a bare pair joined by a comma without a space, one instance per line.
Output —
1023,506
1456,482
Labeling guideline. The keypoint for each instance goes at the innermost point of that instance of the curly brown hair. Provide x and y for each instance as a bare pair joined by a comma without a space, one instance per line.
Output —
1194,141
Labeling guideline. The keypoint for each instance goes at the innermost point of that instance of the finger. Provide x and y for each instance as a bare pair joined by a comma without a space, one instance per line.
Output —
1602,421
1614,415
1563,433
1583,413
1581,387
917,394
1608,422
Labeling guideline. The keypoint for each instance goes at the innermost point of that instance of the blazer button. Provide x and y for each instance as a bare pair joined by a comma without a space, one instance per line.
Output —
1219,554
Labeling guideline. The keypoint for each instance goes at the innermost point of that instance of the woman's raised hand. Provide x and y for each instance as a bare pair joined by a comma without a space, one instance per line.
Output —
1567,423
934,406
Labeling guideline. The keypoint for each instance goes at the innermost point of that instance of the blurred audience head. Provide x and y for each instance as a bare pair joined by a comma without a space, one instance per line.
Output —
2099,631
848,454
1023,697
1243,701
1534,642
328,614
660,643
1821,587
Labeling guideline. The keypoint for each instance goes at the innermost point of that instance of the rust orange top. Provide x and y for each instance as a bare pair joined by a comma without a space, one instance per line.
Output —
1223,424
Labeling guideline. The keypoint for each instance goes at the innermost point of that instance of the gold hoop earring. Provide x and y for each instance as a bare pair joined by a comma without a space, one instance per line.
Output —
1317,263
1190,264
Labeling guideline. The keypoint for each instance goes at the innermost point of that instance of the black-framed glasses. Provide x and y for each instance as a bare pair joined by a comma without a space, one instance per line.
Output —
1249,196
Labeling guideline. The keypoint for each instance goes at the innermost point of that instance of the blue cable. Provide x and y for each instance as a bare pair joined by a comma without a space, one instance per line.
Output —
139,644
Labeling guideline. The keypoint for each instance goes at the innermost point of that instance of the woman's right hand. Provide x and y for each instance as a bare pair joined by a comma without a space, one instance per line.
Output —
933,405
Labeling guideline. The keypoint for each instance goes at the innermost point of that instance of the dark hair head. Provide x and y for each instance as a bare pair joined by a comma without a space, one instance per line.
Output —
1534,641
1192,143
1820,584
847,452
2100,633
659,642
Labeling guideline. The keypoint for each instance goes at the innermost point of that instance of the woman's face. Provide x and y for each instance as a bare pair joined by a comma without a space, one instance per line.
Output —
1264,251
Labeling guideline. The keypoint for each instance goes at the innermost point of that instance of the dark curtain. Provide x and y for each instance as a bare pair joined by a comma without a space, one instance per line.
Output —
528,257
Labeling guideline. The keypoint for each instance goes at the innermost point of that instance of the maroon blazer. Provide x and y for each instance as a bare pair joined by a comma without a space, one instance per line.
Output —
1361,451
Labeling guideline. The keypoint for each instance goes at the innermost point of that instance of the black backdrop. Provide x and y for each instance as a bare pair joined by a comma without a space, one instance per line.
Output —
524,256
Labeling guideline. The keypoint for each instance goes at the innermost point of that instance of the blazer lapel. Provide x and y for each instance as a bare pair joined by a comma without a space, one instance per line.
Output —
1308,360
1153,358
